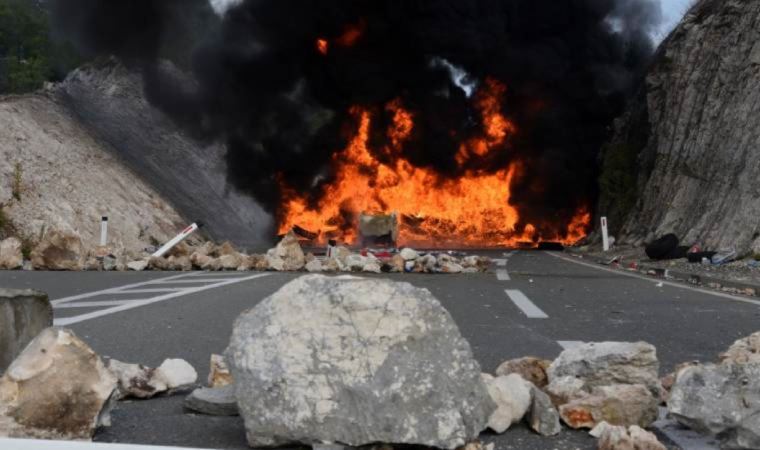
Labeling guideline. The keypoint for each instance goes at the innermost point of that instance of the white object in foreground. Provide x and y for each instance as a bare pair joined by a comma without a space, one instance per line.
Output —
103,231
176,240
605,235
32,444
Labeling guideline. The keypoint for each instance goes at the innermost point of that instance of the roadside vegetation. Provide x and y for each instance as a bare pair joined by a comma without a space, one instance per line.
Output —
28,55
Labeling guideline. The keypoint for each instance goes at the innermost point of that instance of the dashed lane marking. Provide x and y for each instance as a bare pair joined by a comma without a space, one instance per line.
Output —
500,262
526,306
668,283
502,275
114,306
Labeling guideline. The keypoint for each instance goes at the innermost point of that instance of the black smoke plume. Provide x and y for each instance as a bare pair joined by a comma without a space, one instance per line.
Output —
261,83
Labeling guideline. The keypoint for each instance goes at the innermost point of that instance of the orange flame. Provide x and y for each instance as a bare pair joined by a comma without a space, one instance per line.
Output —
323,46
470,211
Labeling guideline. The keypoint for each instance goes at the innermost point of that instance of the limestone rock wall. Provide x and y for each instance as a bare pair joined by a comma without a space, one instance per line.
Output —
699,169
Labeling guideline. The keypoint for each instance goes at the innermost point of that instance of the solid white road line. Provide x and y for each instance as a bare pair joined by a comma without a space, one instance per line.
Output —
569,344
31,444
502,275
668,283
525,305
148,291
113,290
196,280
132,304
97,303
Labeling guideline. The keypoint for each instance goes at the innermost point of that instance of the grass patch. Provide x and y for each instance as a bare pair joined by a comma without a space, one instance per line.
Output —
18,174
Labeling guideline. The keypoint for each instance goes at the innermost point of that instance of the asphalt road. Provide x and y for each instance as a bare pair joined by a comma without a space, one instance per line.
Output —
551,303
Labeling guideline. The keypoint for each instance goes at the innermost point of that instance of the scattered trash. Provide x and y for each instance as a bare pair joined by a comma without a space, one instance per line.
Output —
724,256
660,284
696,257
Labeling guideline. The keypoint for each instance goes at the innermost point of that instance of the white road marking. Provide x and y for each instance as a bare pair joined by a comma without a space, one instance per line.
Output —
97,303
31,444
196,280
113,290
500,262
667,283
525,305
509,254
502,275
570,344
148,291
130,304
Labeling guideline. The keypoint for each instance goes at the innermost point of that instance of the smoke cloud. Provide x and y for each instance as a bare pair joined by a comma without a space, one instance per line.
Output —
261,83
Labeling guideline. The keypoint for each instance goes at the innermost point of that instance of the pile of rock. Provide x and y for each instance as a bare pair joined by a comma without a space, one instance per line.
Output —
722,400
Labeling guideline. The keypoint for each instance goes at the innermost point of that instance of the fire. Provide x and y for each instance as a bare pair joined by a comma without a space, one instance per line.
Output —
323,46
472,210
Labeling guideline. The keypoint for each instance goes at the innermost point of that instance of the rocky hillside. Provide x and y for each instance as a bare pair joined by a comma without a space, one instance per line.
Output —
54,175
686,157
109,101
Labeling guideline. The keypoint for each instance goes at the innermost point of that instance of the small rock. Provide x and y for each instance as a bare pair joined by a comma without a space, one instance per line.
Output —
231,261
218,401
397,263
199,260
451,267
372,267
543,418
11,256
180,263
564,389
355,262
622,404
409,254
219,373
743,351
110,263
530,368
57,388
608,363
428,263
158,263
212,265
613,437
314,265
138,266
28,266
92,264
287,255
331,265
138,381
225,249
512,395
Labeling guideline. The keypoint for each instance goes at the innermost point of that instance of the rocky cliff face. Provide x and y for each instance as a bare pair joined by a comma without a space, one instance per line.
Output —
109,101
690,144
54,175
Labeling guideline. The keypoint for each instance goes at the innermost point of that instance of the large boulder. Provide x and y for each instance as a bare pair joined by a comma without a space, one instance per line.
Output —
721,400
23,315
355,361
59,251
11,256
608,363
58,388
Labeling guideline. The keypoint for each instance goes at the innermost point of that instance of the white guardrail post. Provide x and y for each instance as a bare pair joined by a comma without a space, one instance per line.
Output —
605,235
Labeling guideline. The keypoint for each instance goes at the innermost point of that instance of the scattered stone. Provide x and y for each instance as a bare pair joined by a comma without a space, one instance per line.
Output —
479,263
512,395
409,254
199,259
138,266
564,389
721,400
287,255
608,363
23,315
181,249
543,418
28,266
428,263
58,251
530,368
205,249
92,264
225,249
11,256
314,265
451,267
218,401
110,263
621,404
260,262
355,262
230,261
743,351
212,265
158,263
247,263
372,267
397,263
180,263
612,437
138,381
57,388
219,373
353,360
669,380
331,265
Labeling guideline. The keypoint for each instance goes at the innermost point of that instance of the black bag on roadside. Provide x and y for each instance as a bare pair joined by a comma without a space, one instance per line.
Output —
696,257
663,247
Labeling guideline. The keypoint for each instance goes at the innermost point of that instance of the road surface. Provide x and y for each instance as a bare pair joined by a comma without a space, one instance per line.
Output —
529,303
